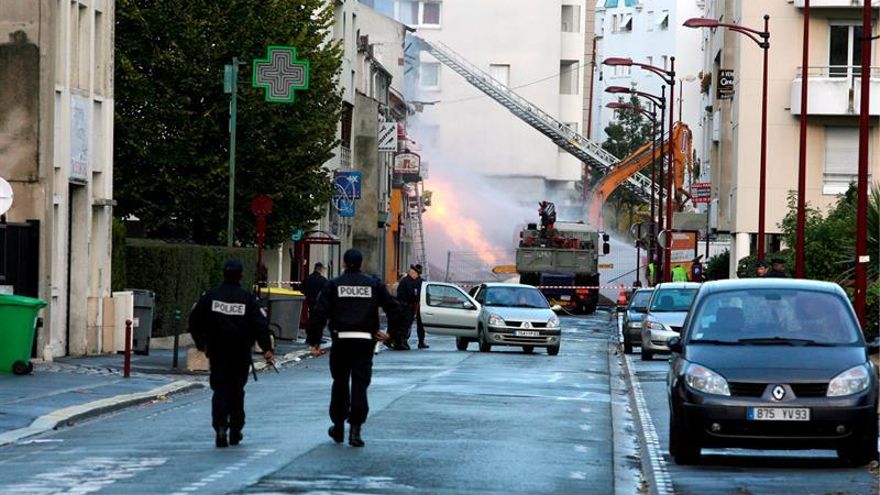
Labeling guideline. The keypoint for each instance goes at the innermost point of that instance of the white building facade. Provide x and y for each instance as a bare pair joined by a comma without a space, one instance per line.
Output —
648,32
56,150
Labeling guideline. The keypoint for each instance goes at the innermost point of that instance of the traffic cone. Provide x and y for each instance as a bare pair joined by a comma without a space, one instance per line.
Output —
621,297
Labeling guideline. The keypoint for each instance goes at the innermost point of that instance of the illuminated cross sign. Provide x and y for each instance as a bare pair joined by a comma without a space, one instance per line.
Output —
281,74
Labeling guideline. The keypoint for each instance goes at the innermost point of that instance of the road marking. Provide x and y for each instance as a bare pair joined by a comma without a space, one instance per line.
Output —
578,475
581,449
555,378
586,427
652,442
216,476
84,476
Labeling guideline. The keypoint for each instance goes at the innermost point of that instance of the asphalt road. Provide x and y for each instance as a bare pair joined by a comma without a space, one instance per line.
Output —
441,422
741,472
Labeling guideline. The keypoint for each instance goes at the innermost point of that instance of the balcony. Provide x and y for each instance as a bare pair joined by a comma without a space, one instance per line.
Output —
834,4
835,90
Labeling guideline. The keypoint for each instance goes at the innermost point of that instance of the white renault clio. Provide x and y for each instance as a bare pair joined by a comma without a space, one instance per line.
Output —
492,314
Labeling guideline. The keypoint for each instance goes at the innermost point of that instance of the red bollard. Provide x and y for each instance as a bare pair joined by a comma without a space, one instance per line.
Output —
126,369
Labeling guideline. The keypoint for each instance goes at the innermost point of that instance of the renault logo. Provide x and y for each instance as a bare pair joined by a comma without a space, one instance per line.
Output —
527,324
778,392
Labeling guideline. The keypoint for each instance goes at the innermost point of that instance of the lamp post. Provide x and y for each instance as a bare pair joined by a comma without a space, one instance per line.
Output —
802,153
862,256
667,76
652,116
681,81
762,38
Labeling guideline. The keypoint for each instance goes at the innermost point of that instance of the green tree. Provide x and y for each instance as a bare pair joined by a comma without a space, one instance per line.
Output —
172,117
629,131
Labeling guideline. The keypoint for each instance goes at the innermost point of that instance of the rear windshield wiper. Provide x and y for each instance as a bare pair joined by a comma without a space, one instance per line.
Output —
716,342
781,341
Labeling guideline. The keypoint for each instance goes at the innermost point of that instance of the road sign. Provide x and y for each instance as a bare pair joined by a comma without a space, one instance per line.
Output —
407,167
606,266
504,270
346,189
281,74
701,192
725,84
5,196
388,137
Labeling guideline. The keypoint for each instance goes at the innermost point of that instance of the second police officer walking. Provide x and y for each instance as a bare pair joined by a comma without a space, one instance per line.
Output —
224,324
351,304
409,293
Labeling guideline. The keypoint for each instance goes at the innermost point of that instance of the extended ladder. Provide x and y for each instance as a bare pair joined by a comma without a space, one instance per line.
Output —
565,137
414,208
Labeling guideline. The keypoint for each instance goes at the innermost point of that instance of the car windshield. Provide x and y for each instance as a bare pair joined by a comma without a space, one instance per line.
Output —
669,300
640,300
515,297
774,317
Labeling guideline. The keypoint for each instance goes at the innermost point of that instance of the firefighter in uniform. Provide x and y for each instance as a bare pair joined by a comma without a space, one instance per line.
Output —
224,324
351,303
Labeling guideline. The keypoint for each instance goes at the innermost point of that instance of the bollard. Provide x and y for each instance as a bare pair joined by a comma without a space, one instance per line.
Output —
126,370
176,337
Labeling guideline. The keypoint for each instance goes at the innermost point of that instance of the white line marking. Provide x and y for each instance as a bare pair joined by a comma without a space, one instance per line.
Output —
578,475
581,448
84,476
658,463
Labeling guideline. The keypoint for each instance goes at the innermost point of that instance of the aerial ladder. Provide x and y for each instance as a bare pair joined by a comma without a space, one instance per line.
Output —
566,138
641,159
414,208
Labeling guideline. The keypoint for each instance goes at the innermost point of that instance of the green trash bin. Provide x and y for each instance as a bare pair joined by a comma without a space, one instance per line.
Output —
18,322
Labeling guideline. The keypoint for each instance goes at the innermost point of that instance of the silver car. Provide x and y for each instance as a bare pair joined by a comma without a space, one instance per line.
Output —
667,311
493,314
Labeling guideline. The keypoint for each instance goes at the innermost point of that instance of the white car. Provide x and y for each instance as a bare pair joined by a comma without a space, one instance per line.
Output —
492,314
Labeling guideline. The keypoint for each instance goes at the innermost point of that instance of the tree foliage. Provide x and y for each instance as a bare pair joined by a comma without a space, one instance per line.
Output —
718,267
172,116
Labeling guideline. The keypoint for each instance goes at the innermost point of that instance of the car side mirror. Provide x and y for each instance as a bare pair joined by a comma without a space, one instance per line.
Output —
606,248
874,347
469,305
556,308
674,344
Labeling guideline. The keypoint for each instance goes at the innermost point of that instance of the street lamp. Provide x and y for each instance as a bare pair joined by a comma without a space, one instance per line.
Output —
762,38
652,116
669,77
802,152
862,256
682,80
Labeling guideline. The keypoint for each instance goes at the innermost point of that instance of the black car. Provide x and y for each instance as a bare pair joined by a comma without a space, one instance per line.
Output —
772,364
632,318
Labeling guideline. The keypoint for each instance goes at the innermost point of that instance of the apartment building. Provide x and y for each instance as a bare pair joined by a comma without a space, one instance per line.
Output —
731,148
649,32
535,48
56,135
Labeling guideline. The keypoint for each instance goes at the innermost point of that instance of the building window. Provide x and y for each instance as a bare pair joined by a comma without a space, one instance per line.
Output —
418,12
626,23
841,159
844,49
429,75
501,73
571,19
615,23
650,60
663,20
651,20
665,60
430,14
568,77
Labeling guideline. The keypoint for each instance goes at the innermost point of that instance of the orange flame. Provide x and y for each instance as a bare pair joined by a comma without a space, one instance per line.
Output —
446,214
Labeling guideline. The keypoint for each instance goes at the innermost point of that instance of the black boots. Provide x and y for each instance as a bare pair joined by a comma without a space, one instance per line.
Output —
235,437
354,436
423,345
337,433
221,440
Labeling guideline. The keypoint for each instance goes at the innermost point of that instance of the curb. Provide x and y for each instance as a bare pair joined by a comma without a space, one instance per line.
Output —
61,417
653,465
290,357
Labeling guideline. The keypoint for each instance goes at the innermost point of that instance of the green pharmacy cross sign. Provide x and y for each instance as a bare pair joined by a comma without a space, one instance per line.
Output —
281,74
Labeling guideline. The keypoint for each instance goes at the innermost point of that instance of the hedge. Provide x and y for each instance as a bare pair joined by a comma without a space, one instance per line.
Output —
178,274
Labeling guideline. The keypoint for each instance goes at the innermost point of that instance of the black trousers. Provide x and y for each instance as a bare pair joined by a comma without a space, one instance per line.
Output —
420,329
351,366
228,377
405,330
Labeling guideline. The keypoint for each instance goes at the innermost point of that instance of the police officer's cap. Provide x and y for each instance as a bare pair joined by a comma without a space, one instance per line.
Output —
417,268
778,260
762,264
233,265
353,258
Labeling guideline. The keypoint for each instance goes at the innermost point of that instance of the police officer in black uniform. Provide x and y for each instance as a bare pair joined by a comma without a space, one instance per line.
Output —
224,324
351,303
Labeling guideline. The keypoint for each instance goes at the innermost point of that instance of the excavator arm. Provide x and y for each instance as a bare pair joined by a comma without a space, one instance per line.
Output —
640,159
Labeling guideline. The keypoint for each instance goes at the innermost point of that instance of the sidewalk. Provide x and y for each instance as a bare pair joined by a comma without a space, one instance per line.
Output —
68,390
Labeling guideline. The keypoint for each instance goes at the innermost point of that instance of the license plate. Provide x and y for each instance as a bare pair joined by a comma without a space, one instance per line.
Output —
778,414
527,333
565,298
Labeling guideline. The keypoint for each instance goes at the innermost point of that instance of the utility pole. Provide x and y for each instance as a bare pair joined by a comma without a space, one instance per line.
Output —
230,85
862,256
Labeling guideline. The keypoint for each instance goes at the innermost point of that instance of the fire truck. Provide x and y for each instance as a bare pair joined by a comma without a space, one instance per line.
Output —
562,260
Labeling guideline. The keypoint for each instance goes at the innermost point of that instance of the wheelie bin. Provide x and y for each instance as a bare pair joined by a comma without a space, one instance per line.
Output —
18,322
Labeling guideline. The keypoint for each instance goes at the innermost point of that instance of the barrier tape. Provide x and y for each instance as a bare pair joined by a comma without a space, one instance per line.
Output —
552,287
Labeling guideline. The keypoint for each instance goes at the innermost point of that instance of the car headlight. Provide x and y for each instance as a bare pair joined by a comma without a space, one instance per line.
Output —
705,380
496,321
553,322
655,325
851,381
635,324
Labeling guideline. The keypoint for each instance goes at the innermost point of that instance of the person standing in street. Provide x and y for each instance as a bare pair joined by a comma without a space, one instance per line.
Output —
679,274
351,304
225,323
313,285
777,268
409,293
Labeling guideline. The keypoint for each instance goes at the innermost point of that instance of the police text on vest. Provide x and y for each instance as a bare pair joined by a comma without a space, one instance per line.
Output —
355,291
230,309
